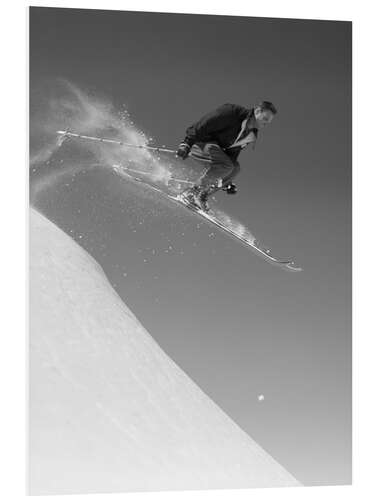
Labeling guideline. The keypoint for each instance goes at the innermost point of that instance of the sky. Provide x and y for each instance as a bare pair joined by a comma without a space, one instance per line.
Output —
237,326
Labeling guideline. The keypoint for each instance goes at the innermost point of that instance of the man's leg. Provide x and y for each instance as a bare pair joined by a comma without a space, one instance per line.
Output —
228,180
220,170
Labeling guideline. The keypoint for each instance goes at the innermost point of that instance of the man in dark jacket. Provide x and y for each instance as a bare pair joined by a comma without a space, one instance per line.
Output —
215,141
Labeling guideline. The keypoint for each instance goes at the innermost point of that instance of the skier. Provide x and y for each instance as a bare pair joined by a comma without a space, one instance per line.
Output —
215,141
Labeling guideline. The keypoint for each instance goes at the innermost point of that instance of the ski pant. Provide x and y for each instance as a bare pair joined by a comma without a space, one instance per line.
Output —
220,170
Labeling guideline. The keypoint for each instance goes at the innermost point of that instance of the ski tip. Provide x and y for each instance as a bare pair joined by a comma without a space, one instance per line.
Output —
291,266
66,132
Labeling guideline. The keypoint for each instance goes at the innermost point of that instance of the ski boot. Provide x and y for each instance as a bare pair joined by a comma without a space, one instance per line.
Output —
230,188
197,197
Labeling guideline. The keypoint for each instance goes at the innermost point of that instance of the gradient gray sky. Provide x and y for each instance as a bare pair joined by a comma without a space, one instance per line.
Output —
237,325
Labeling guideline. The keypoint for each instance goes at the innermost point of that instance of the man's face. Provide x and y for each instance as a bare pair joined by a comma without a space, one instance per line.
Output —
263,117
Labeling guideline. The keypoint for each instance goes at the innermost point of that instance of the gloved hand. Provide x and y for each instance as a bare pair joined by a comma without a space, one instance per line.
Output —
183,150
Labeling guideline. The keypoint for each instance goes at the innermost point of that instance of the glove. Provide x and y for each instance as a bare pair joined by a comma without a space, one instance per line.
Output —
183,150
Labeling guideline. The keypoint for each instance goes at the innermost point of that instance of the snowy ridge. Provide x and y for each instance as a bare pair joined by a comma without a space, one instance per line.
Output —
109,410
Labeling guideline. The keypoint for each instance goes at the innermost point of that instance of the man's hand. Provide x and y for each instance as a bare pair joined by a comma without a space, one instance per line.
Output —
183,150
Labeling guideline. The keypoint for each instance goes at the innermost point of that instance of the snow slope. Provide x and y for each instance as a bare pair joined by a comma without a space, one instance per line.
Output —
109,410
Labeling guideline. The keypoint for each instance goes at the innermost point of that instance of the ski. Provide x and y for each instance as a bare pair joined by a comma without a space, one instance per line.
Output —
244,236
248,241
120,168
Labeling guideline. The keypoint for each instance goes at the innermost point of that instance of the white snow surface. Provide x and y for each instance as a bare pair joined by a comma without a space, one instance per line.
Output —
109,411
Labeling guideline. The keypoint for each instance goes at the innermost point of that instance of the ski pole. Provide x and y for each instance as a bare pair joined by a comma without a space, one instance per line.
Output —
66,133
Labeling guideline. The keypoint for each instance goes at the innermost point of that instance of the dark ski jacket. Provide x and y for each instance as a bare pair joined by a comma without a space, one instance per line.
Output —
223,127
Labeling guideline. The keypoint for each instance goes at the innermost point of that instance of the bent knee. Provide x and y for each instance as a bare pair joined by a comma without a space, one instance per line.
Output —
219,156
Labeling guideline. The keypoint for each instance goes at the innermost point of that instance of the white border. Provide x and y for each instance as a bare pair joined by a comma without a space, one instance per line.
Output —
12,197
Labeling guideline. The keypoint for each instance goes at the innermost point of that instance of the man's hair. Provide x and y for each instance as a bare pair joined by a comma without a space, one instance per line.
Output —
267,105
